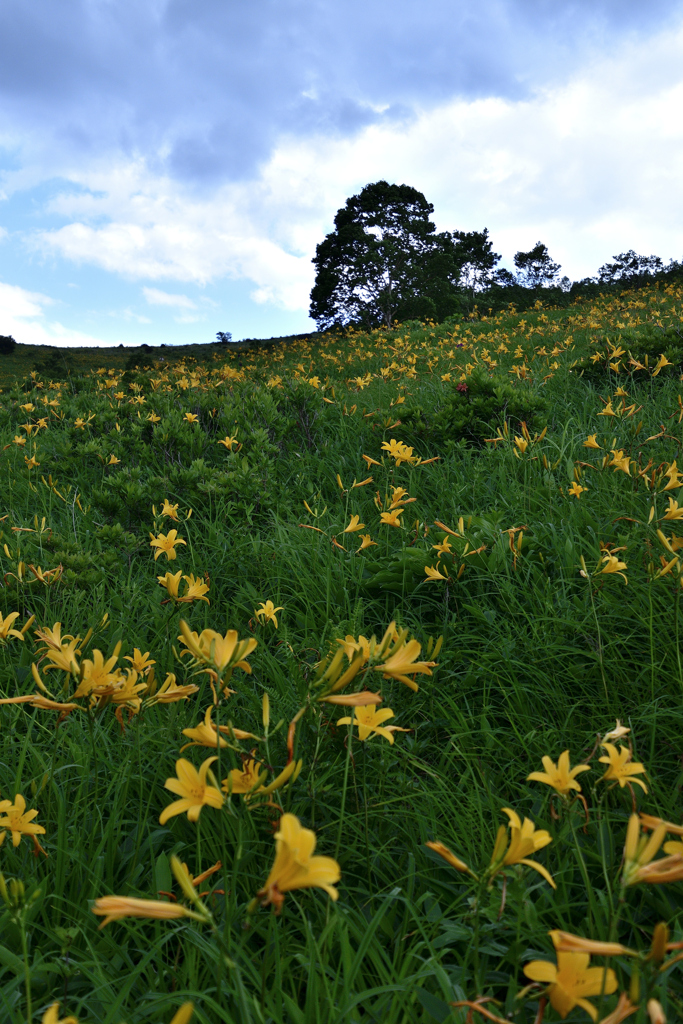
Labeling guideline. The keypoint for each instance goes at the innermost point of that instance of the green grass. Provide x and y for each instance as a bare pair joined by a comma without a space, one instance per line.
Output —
536,659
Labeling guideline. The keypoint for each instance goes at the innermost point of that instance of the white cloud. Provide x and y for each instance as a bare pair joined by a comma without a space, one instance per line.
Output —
155,297
591,168
22,317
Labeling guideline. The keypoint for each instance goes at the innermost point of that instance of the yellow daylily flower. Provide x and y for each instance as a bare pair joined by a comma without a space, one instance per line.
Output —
572,980
19,821
613,565
591,442
369,721
639,852
524,839
51,1016
195,590
266,612
620,769
190,785
450,858
576,490
6,624
433,573
673,511
169,510
171,581
169,692
399,662
250,780
166,543
206,734
392,518
354,525
140,662
295,867
220,652
113,908
366,542
558,775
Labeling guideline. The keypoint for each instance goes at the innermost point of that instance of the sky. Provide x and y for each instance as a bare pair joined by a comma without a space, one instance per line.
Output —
167,167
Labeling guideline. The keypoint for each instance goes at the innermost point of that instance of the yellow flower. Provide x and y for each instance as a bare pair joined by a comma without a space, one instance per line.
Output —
400,662
391,518
113,908
51,1016
19,821
366,542
521,443
639,851
191,787
354,525
450,858
31,463
576,490
195,590
140,662
169,692
558,775
250,779
565,942
616,733
352,647
524,839
591,442
6,624
166,543
295,867
229,442
190,417
624,1008
171,581
169,510
352,700
220,652
206,734
113,461
655,1010
673,511
98,673
608,410
620,770
444,548
613,565
434,573
572,980
369,721
398,451
266,612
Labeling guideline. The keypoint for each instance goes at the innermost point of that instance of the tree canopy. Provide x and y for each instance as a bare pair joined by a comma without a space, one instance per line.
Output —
535,267
371,268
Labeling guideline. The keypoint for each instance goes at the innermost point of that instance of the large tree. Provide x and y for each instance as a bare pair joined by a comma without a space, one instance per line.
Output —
536,268
629,267
381,261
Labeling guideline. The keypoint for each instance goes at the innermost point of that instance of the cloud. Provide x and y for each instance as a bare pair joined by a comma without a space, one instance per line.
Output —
155,297
23,318
591,168
202,91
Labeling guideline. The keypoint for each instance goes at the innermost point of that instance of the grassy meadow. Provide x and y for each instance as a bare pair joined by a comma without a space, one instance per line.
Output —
274,620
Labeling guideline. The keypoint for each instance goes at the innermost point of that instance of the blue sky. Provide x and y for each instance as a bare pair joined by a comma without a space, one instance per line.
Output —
168,166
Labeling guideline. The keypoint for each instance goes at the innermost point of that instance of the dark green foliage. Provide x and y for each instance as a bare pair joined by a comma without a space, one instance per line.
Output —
7,344
535,267
475,410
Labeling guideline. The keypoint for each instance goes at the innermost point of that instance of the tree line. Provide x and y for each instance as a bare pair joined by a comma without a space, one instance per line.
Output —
386,263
